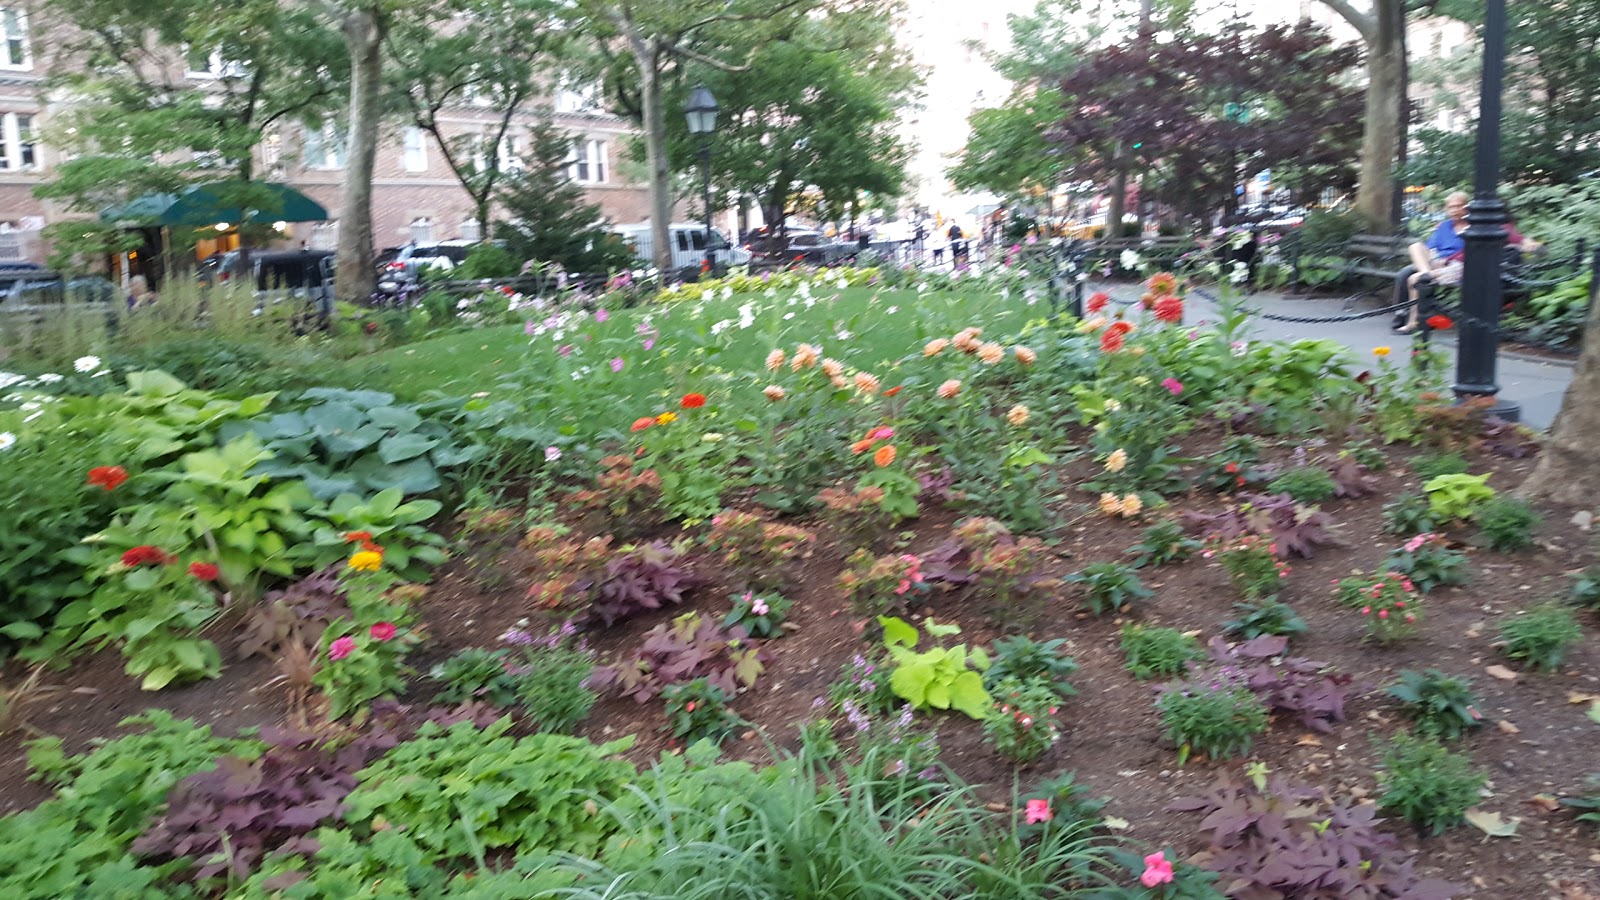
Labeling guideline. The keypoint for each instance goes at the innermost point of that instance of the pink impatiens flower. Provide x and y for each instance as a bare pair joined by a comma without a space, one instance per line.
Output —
341,647
1038,811
1156,870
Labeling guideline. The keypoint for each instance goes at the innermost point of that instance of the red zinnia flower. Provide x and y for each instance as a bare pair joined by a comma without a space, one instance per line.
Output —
1111,341
643,422
383,631
1098,301
1440,323
1121,326
1169,309
693,401
350,537
204,571
145,555
894,390
108,477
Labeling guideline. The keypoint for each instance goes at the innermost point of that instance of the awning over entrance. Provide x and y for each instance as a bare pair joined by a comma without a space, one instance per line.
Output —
211,204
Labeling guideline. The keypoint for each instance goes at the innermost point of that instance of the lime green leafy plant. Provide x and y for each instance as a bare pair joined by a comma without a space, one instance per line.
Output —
940,677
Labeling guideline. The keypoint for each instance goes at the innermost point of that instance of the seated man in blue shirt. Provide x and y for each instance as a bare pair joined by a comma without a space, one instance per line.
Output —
1440,256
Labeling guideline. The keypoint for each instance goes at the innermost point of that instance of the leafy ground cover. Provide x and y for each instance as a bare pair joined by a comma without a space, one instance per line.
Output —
975,601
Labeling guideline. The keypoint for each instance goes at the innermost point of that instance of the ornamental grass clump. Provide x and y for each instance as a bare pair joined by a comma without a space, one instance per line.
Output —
1158,652
1216,715
1542,636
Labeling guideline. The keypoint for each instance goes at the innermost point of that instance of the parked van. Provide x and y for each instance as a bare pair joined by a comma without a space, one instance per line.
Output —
688,245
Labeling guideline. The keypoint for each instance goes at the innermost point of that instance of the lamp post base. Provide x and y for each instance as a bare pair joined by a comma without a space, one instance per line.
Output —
1501,408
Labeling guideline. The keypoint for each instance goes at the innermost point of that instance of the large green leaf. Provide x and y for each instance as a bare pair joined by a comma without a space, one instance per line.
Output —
395,418
349,443
415,476
400,447
154,383
334,418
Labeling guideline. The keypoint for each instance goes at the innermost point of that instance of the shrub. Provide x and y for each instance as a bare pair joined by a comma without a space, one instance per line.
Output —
476,673
875,586
1032,662
1108,587
1430,562
554,691
760,615
1218,717
1541,636
684,649
758,553
1409,514
1427,785
1586,588
1507,524
1268,616
1022,726
697,710
1389,603
1442,706
1162,543
1153,651
1306,484
1252,565
1457,496
532,794
1429,466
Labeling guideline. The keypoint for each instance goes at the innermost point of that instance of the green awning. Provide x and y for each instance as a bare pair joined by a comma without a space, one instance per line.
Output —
210,204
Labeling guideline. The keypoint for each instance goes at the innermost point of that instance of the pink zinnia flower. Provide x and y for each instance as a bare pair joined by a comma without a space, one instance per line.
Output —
600,315
341,648
881,434
616,364
1038,811
383,631
1173,385
1156,870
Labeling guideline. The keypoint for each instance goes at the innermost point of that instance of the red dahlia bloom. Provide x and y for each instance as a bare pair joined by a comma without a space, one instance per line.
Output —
204,571
1169,309
145,555
1121,327
1098,301
1440,323
108,477
1111,341
693,401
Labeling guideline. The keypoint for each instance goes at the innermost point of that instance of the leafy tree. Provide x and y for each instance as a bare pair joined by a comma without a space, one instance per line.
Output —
500,52
815,111
548,219
1193,110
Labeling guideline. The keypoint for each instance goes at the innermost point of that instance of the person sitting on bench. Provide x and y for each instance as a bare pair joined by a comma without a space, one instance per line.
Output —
1442,256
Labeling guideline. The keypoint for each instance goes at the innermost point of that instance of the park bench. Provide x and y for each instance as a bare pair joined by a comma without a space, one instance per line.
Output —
1162,252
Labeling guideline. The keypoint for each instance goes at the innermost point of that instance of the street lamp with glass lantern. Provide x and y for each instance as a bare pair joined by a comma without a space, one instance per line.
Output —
701,112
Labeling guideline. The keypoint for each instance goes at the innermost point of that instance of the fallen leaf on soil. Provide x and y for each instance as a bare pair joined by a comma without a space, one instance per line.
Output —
1128,773
995,807
1475,630
1507,727
1594,712
1545,802
1581,697
1502,673
1116,824
1491,824
1308,740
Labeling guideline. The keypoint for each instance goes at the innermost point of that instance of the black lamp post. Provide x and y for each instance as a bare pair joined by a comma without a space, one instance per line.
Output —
701,111
1478,337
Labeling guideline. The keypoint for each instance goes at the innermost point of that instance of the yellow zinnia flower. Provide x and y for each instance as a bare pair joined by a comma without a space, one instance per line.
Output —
366,561
1380,351
666,418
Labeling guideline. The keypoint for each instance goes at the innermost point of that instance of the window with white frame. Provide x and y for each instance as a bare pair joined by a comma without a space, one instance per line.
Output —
422,230
414,152
14,50
575,97
587,162
471,230
507,159
322,147
272,154
17,150
211,64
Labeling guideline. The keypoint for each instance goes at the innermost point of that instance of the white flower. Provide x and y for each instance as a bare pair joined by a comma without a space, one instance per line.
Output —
843,335
49,378
29,407
1113,405
788,316
1130,259
7,440
1241,273
7,379
891,310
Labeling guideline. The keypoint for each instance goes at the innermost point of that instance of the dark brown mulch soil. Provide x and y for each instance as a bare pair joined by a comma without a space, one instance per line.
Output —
1536,742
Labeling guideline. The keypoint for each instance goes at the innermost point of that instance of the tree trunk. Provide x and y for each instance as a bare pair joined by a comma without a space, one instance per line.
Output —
363,30
1569,465
647,55
1119,197
1386,97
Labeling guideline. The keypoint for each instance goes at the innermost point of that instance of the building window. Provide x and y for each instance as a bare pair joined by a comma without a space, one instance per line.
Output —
422,230
17,150
572,97
323,147
272,154
14,32
587,163
471,230
415,154
211,64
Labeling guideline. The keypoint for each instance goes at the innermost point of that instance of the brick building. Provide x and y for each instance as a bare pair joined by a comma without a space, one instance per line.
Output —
415,195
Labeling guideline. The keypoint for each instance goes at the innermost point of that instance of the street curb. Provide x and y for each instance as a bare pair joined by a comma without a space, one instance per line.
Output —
1526,357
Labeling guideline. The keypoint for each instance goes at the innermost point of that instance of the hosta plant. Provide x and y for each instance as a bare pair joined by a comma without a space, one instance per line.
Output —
1458,496
939,677
1108,587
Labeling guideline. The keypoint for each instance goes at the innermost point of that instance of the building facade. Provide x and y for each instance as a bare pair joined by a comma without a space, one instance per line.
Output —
415,196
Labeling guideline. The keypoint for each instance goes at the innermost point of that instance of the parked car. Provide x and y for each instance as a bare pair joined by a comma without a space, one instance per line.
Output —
798,245
42,292
404,270
688,246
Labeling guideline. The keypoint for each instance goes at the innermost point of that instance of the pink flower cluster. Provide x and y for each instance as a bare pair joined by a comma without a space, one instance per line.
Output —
913,574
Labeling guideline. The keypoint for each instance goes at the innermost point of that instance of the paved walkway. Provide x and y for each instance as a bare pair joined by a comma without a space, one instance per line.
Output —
1536,385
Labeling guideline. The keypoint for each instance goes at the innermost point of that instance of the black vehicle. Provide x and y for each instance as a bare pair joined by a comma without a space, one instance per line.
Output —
303,276
798,245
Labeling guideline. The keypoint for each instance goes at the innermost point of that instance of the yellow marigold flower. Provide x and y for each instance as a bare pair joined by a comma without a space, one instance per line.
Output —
935,347
366,561
1018,416
949,389
1109,504
666,418
1117,460
1131,505
867,383
832,368
775,360
1025,356
775,393
991,353
1380,351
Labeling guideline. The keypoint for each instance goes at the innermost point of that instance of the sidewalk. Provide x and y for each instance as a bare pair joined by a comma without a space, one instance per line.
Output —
1536,385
